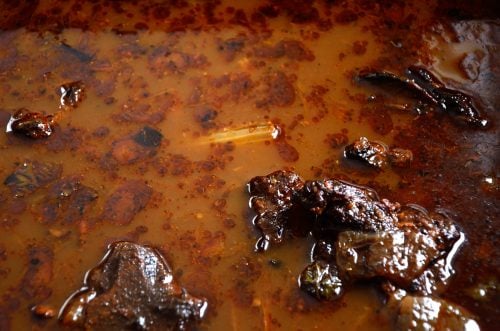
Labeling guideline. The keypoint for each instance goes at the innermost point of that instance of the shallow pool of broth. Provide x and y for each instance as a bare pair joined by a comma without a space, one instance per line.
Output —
198,215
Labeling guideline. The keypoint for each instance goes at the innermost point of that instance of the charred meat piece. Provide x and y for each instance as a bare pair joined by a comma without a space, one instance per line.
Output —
448,100
426,86
71,94
376,154
373,153
321,280
415,255
434,224
341,205
30,124
132,288
30,175
272,198
359,236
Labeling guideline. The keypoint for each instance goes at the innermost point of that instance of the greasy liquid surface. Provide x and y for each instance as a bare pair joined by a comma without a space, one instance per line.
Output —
198,216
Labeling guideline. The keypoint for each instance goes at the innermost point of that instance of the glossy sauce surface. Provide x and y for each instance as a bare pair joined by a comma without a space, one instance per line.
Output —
235,92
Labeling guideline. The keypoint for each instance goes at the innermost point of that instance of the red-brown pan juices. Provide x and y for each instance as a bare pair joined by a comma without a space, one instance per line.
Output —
208,161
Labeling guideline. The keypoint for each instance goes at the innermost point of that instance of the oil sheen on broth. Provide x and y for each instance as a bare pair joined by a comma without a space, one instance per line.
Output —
184,103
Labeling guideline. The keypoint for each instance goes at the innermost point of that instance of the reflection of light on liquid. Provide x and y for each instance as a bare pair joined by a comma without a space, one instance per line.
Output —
488,180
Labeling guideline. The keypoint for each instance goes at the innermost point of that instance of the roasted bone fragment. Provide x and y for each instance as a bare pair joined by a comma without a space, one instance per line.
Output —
272,197
131,288
426,85
376,154
30,124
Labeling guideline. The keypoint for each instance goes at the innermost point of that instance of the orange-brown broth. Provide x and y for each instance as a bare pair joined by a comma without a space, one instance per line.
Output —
202,243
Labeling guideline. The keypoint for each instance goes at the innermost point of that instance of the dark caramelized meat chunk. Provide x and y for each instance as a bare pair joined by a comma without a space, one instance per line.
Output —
272,197
30,175
132,288
376,154
342,205
359,236
373,153
435,224
71,94
448,100
30,124
424,84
